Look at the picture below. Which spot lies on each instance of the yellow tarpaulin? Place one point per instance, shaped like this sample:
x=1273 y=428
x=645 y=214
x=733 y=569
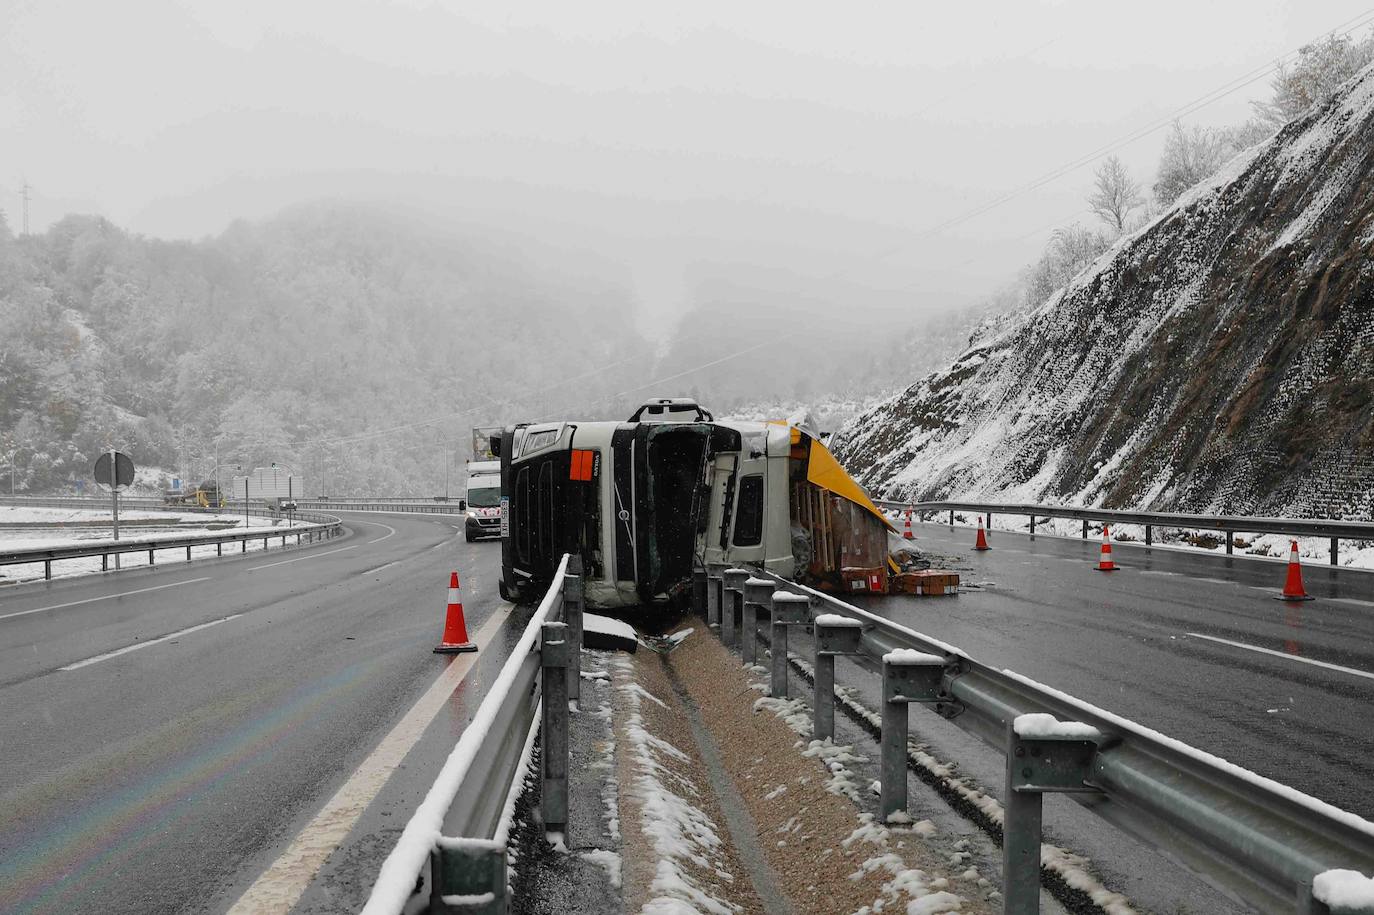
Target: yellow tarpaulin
x=823 y=470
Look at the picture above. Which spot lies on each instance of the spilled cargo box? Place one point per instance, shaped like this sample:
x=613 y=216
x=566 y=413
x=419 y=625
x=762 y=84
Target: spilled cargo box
x=864 y=580
x=926 y=582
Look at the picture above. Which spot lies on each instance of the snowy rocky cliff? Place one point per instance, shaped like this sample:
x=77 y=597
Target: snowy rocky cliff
x=1221 y=358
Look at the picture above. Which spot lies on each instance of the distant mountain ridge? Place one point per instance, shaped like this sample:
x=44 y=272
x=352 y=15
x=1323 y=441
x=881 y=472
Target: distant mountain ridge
x=1220 y=359
x=344 y=340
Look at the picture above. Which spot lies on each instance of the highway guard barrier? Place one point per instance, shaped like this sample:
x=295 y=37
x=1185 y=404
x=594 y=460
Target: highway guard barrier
x=1265 y=843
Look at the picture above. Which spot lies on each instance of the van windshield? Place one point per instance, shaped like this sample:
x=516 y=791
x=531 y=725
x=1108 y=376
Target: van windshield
x=485 y=497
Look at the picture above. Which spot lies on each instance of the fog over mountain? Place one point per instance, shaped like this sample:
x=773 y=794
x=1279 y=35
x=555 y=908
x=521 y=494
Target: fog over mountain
x=455 y=216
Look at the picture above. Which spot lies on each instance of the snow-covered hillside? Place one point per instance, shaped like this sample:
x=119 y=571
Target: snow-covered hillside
x=1222 y=358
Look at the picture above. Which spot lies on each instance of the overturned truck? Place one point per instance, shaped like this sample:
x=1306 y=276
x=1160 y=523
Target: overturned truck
x=644 y=502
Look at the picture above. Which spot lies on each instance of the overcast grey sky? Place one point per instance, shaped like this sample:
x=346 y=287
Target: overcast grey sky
x=816 y=145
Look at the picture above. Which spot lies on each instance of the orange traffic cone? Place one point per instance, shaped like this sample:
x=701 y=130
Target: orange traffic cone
x=1105 y=564
x=455 y=627
x=982 y=542
x=1292 y=586
x=906 y=530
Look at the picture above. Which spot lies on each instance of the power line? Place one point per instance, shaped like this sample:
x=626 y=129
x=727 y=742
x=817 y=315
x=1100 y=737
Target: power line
x=1344 y=29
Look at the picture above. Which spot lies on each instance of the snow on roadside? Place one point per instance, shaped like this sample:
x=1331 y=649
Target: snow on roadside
x=908 y=889
x=686 y=841
x=1074 y=870
x=1357 y=554
x=41 y=537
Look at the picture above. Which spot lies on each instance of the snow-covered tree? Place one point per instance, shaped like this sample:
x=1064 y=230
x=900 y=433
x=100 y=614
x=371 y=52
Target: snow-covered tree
x=1115 y=194
x=1070 y=249
x=1320 y=69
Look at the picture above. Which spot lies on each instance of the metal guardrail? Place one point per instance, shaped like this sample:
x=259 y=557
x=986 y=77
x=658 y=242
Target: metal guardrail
x=1230 y=525
x=1260 y=841
x=319 y=527
x=455 y=844
x=355 y=505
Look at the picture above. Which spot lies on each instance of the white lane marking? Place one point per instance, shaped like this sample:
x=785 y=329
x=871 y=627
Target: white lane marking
x=1351 y=600
x=91 y=600
x=301 y=558
x=1281 y=654
x=120 y=651
x=1159 y=572
x=379 y=568
x=384 y=536
x=281 y=885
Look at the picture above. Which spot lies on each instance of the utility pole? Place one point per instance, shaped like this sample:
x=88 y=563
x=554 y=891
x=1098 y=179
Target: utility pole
x=24 y=195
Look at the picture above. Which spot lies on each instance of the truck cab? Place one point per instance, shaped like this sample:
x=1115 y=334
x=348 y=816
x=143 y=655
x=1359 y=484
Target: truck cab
x=646 y=502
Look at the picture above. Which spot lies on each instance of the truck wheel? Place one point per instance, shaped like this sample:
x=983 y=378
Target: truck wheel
x=467 y=535
x=505 y=592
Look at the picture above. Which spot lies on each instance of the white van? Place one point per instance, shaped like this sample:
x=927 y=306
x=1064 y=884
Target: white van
x=482 y=503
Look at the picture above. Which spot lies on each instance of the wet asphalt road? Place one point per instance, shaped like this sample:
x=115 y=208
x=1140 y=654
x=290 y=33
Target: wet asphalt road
x=164 y=779
x=167 y=778
x=1130 y=641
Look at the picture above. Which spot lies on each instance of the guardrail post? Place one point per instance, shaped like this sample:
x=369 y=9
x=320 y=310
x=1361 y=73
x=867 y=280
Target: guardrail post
x=553 y=757
x=1032 y=530
x=468 y=867
x=714 y=583
x=732 y=605
x=951 y=517
x=1230 y=542
x=788 y=610
x=1023 y=815
x=1085 y=528
x=758 y=597
x=835 y=634
x=1043 y=755
x=908 y=676
x=572 y=615
x=1335 y=549
x=1149 y=534
x=47 y=569
x=1309 y=904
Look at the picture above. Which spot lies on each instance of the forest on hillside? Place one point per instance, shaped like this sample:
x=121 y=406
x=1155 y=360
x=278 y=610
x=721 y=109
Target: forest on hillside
x=341 y=341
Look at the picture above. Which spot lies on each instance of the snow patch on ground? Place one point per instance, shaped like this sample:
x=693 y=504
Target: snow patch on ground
x=914 y=888
x=1074 y=869
x=680 y=831
x=609 y=860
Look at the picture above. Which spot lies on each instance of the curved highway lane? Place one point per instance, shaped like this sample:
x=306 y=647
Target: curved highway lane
x=164 y=735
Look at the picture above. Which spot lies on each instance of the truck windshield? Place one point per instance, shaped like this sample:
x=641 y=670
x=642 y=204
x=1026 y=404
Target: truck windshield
x=486 y=497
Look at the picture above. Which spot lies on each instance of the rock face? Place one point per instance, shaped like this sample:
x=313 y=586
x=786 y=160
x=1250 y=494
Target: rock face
x=1220 y=359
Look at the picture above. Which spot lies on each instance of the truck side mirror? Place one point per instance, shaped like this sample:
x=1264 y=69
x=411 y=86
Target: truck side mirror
x=462 y=505
x=494 y=446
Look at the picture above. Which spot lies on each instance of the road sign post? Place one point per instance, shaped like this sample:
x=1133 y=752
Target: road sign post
x=114 y=469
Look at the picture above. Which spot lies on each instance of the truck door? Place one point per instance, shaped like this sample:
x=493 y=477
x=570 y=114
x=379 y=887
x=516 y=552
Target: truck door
x=743 y=537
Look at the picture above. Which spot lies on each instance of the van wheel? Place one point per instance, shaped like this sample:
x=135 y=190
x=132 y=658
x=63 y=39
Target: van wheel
x=467 y=535
x=504 y=591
